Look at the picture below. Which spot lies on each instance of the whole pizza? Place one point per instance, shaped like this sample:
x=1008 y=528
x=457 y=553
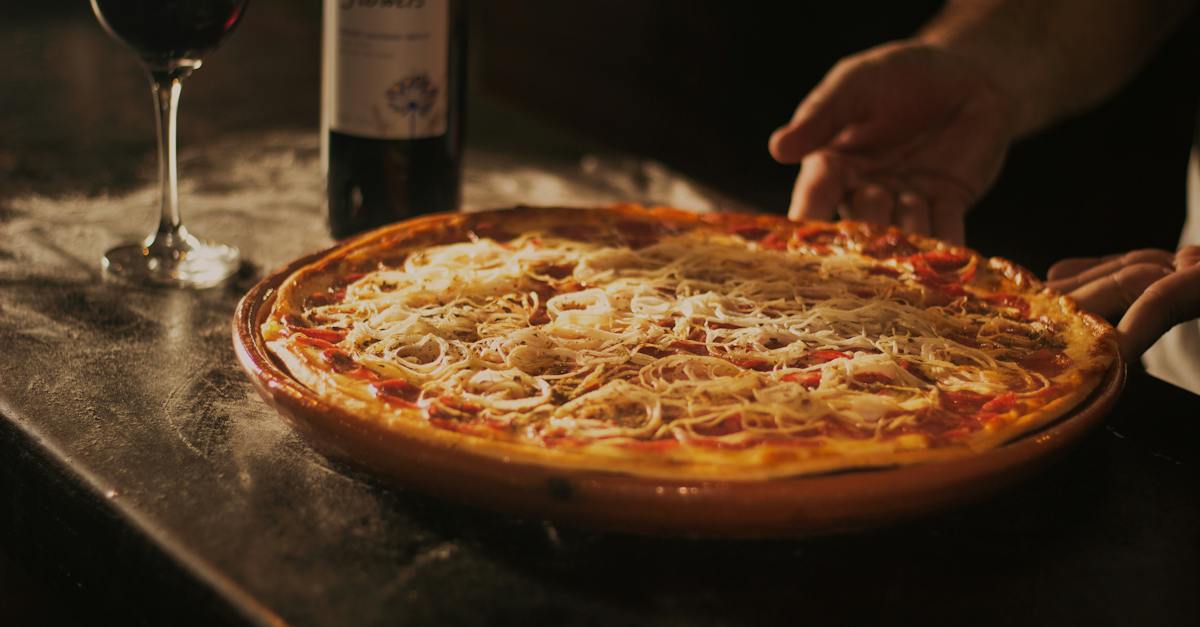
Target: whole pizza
x=661 y=343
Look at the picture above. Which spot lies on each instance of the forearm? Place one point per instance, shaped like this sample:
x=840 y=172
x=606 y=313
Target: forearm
x=1054 y=58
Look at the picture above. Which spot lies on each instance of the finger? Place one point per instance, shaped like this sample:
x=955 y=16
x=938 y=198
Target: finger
x=819 y=188
x=1110 y=265
x=1110 y=295
x=1187 y=257
x=1072 y=266
x=947 y=202
x=1164 y=304
x=946 y=220
x=871 y=203
x=912 y=213
x=827 y=109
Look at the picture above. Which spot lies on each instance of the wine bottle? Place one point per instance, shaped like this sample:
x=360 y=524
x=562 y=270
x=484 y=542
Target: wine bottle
x=391 y=117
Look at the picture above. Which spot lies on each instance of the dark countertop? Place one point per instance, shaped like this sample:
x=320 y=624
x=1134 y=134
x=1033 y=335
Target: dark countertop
x=144 y=481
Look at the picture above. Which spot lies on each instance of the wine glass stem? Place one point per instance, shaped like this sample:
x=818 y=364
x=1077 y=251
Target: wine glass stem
x=166 y=87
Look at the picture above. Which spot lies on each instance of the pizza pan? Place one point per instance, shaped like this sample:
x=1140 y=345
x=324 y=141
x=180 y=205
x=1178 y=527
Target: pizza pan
x=780 y=507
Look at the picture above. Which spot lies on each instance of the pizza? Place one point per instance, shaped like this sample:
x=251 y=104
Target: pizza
x=661 y=343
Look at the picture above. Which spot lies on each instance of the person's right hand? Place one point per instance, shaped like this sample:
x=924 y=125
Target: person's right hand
x=904 y=133
x=1149 y=290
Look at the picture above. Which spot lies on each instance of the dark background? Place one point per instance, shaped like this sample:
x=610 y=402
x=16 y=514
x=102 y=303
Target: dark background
x=698 y=85
x=701 y=85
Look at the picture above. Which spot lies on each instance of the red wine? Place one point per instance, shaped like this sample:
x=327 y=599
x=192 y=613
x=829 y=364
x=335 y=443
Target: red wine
x=166 y=32
x=392 y=110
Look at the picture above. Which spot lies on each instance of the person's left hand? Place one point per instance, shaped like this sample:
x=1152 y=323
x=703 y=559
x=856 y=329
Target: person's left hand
x=1149 y=290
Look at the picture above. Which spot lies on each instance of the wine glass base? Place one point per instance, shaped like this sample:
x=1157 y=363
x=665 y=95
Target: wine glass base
x=198 y=265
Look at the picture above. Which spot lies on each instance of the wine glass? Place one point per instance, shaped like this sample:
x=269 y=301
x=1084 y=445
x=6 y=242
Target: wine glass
x=171 y=37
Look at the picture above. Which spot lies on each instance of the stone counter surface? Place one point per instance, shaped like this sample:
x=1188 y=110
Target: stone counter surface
x=146 y=482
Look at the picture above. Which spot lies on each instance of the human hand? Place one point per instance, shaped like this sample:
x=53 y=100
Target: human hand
x=904 y=133
x=1154 y=289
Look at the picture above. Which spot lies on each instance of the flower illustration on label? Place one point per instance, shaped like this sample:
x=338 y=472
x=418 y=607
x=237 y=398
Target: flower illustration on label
x=411 y=96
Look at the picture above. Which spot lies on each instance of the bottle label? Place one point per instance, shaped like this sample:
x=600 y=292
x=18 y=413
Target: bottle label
x=386 y=67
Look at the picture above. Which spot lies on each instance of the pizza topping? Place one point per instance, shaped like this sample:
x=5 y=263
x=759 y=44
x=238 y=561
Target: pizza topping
x=1045 y=361
x=821 y=234
x=964 y=402
x=774 y=241
x=397 y=391
x=565 y=337
x=882 y=270
x=333 y=336
x=751 y=232
x=807 y=379
x=872 y=378
x=891 y=244
x=824 y=355
x=944 y=271
x=314 y=342
x=341 y=362
x=1000 y=404
x=941 y=262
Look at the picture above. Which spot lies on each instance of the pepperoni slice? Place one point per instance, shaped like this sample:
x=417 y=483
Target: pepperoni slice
x=890 y=245
x=339 y=360
x=314 y=342
x=816 y=234
x=773 y=241
x=809 y=380
x=397 y=392
x=944 y=269
x=1001 y=404
x=872 y=378
x=943 y=261
x=1047 y=362
x=332 y=336
x=825 y=355
x=963 y=402
x=883 y=271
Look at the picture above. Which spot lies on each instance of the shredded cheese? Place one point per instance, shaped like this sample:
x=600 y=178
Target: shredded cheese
x=699 y=335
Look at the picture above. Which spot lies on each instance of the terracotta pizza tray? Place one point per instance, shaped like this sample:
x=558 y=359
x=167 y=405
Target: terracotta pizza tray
x=797 y=506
